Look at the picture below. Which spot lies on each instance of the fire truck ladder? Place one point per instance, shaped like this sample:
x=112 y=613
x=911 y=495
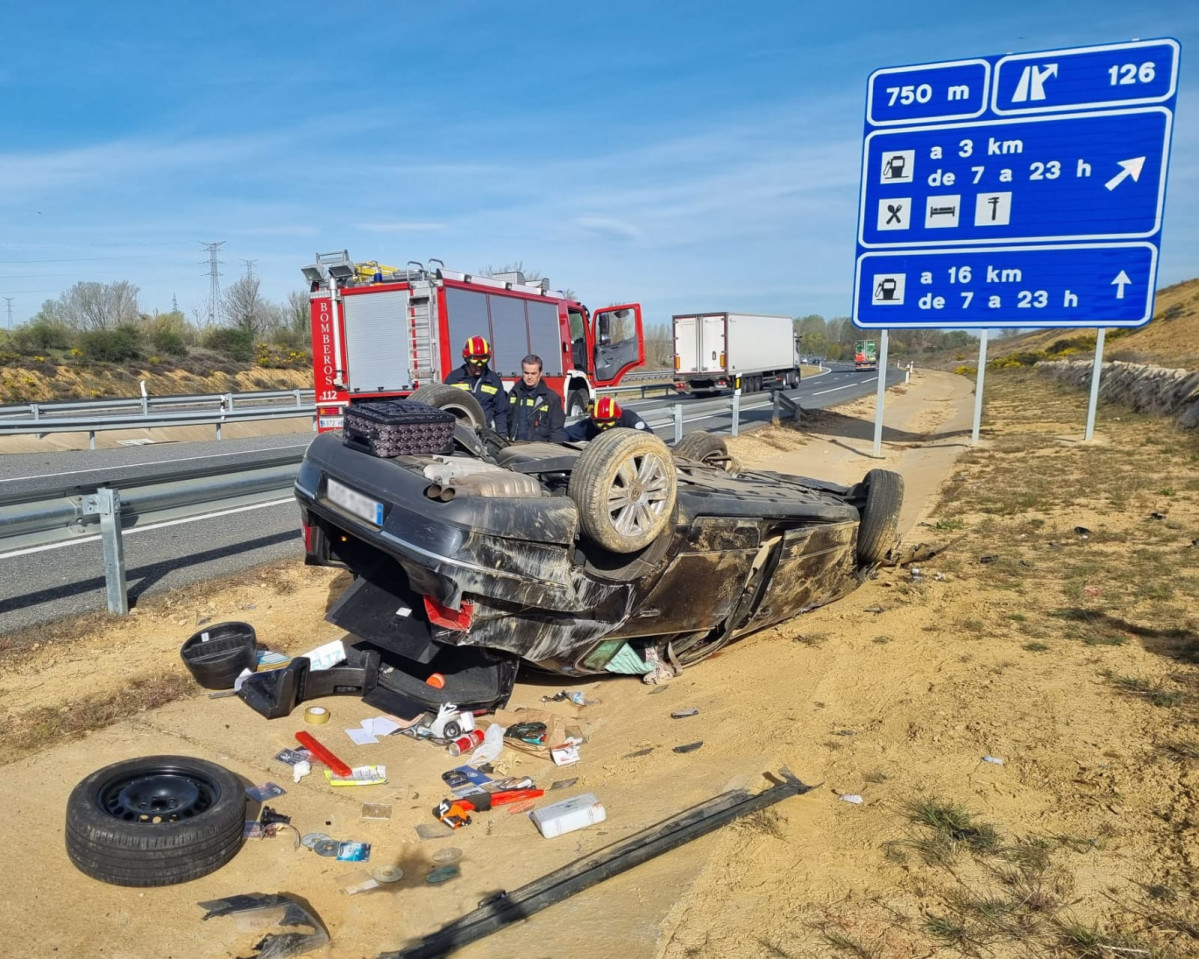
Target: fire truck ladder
x=425 y=348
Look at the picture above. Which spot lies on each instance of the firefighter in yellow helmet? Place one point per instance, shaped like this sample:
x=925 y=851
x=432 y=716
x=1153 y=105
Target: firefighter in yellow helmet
x=604 y=415
x=476 y=377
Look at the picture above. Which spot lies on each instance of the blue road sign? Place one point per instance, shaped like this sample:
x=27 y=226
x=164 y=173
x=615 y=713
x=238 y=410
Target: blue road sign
x=1065 y=151
x=1108 y=284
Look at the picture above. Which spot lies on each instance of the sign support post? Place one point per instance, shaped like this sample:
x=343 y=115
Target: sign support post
x=881 y=395
x=978 y=386
x=1096 y=370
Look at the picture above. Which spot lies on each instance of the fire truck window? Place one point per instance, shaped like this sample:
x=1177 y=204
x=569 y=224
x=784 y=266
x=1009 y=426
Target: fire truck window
x=509 y=338
x=578 y=341
x=545 y=335
x=467 y=317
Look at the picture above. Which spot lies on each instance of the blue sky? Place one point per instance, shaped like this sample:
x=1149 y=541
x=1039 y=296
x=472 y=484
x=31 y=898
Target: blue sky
x=689 y=156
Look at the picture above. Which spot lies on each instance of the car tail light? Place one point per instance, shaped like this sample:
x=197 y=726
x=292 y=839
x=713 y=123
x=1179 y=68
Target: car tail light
x=308 y=531
x=440 y=615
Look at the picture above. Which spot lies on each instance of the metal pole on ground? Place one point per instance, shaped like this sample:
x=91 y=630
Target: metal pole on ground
x=1096 y=370
x=736 y=408
x=878 y=400
x=978 y=386
x=678 y=421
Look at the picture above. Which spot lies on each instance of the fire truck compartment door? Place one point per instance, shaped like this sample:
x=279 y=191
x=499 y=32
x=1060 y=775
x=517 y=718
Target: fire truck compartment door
x=619 y=342
x=378 y=348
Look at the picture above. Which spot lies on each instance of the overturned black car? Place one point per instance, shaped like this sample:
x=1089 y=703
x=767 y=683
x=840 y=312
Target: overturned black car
x=618 y=555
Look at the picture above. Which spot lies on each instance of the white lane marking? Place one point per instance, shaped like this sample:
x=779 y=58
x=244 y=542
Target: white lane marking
x=847 y=386
x=146 y=529
x=182 y=459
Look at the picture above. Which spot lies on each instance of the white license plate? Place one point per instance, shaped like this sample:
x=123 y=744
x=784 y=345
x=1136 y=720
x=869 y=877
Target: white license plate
x=330 y=422
x=354 y=502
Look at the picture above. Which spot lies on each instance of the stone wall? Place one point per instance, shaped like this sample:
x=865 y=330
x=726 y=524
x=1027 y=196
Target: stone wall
x=1146 y=389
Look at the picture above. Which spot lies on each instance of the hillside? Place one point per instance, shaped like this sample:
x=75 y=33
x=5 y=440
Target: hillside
x=48 y=381
x=1171 y=339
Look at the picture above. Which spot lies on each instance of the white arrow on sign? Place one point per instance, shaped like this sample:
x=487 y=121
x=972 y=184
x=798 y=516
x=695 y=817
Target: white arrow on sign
x=1128 y=168
x=1119 y=283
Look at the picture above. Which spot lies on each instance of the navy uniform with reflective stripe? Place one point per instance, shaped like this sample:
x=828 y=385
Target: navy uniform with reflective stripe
x=488 y=389
x=535 y=414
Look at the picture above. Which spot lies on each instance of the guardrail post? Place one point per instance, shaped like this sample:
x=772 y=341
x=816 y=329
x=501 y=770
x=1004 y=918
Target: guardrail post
x=33 y=408
x=218 y=430
x=678 y=421
x=297 y=394
x=107 y=504
x=227 y=402
x=736 y=412
x=91 y=439
x=774 y=411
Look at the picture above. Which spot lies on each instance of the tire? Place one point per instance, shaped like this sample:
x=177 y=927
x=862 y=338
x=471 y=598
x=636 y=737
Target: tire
x=155 y=821
x=878 y=531
x=461 y=403
x=624 y=486
x=577 y=402
x=704 y=447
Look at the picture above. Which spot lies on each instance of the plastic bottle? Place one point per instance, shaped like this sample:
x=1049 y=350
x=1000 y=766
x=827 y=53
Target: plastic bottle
x=578 y=812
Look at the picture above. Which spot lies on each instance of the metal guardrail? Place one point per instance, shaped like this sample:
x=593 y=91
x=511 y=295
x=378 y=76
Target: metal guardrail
x=55 y=515
x=225 y=401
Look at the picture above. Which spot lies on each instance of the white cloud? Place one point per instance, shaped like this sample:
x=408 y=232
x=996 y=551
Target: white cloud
x=608 y=227
x=402 y=226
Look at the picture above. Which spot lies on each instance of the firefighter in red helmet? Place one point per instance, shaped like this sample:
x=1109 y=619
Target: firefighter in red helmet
x=604 y=416
x=476 y=377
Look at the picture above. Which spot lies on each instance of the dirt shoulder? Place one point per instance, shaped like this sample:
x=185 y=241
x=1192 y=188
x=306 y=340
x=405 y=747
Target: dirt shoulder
x=1071 y=659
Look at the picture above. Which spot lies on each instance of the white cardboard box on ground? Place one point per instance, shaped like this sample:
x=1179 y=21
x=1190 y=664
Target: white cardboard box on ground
x=578 y=812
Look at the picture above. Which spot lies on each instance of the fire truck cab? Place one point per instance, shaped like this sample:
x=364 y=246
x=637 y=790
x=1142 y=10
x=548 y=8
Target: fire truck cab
x=378 y=331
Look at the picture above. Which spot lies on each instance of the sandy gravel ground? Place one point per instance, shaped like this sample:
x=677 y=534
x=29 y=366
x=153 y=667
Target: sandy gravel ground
x=895 y=693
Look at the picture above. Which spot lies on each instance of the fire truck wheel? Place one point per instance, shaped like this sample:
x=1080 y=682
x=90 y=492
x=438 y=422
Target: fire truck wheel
x=459 y=402
x=706 y=448
x=155 y=820
x=624 y=486
x=878 y=530
x=577 y=403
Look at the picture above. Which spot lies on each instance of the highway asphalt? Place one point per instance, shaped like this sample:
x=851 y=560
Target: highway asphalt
x=40 y=586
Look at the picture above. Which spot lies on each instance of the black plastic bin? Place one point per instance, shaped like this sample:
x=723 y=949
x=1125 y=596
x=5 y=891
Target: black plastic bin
x=217 y=654
x=389 y=428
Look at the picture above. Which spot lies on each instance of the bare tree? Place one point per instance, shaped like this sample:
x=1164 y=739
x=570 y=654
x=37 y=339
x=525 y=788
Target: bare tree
x=245 y=308
x=94 y=306
x=299 y=311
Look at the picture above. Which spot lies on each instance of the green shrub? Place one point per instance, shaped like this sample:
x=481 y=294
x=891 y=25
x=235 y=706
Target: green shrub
x=234 y=342
x=111 y=346
x=40 y=336
x=168 y=341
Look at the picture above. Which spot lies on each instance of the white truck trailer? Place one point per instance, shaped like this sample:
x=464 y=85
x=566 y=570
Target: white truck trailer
x=719 y=351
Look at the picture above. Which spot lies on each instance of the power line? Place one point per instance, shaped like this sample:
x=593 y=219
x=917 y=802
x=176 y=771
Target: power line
x=9 y=299
x=214 y=275
x=249 y=267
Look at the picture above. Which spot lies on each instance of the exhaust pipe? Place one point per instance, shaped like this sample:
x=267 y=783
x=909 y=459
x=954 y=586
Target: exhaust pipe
x=433 y=491
x=447 y=494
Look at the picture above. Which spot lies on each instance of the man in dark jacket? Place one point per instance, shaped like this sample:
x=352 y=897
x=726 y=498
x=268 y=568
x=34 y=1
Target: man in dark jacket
x=604 y=415
x=534 y=410
x=475 y=377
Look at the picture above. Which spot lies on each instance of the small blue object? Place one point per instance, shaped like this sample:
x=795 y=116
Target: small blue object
x=994 y=760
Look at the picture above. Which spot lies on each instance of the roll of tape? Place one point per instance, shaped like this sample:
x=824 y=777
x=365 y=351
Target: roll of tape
x=316 y=715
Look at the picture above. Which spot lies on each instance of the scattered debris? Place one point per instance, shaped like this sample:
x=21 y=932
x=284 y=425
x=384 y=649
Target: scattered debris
x=689 y=747
x=578 y=812
x=447 y=854
x=851 y=797
x=499 y=911
x=304 y=929
x=563 y=783
x=994 y=760
x=300 y=770
x=988 y=559
x=265 y=791
x=874 y=609
x=292 y=757
x=353 y=852
x=1083 y=532
x=433 y=830
x=376 y=810
x=573 y=696
x=269 y=816
x=358 y=776
x=309 y=840
x=442 y=874
x=684 y=713
x=1157 y=516
x=639 y=752
x=387 y=874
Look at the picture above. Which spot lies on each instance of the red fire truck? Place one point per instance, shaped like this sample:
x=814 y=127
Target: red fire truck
x=378 y=331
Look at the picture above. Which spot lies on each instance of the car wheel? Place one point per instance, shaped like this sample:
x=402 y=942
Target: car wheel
x=704 y=447
x=878 y=531
x=461 y=403
x=624 y=486
x=577 y=402
x=155 y=821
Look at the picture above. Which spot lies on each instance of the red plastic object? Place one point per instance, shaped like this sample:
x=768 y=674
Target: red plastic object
x=447 y=616
x=309 y=742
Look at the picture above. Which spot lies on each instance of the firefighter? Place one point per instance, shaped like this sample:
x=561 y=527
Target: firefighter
x=484 y=383
x=535 y=410
x=604 y=415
